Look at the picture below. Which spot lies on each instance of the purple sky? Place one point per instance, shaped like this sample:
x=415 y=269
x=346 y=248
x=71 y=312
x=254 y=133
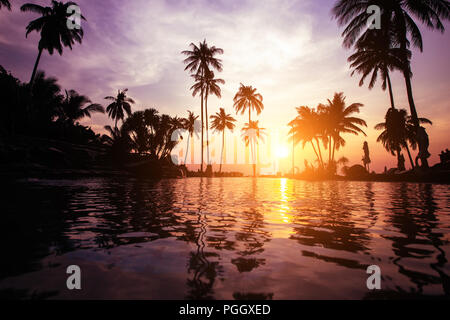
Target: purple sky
x=290 y=50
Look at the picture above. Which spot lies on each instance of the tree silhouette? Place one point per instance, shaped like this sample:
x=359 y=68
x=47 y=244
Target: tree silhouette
x=400 y=15
x=53 y=29
x=5 y=3
x=220 y=122
x=247 y=99
x=121 y=103
x=73 y=107
x=198 y=62
x=252 y=133
x=189 y=125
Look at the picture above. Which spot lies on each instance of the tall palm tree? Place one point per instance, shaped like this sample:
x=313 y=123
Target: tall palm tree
x=198 y=62
x=400 y=15
x=73 y=107
x=248 y=98
x=376 y=55
x=120 y=104
x=307 y=127
x=252 y=133
x=5 y=3
x=52 y=25
x=220 y=122
x=339 y=119
x=189 y=125
x=208 y=84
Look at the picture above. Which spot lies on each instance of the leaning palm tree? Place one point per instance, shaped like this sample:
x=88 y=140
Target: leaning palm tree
x=5 y=3
x=252 y=133
x=189 y=125
x=73 y=107
x=198 y=62
x=52 y=26
x=220 y=122
x=121 y=103
x=400 y=16
x=248 y=98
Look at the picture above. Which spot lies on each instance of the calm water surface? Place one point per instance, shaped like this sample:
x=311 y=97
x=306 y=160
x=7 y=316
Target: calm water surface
x=231 y=238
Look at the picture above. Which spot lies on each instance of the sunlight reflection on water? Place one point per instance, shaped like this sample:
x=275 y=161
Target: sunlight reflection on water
x=225 y=238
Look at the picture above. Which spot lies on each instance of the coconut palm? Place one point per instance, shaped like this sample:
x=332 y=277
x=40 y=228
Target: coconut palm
x=376 y=56
x=189 y=125
x=208 y=84
x=198 y=62
x=338 y=118
x=5 y=3
x=398 y=131
x=220 y=122
x=252 y=134
x=307 y=127
x=73 y=107
x=52 y=26
x=248 y=98
x=401 y=15
x=121 y=103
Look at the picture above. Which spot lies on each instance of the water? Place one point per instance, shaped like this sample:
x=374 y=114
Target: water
x=231 y=238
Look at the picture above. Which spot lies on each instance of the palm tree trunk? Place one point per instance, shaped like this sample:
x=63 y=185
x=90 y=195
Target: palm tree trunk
x=410 y=158
x=187 y=149
x=329 y=151
x=320 y=153
x=206 y=121
x=221 y=153
x=249 y=115
x=334 y=148
x=35 y=67
x=391 y=95
x=201 y=163
x=315 y=151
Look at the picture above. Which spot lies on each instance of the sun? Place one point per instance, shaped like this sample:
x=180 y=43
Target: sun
x=281 y=152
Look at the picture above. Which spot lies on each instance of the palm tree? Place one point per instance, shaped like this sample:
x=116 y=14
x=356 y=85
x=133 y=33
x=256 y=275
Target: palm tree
x=398 y=131
x=189 y=125
x=220 y=122
x=73 y=107
x=120 y=104
x=252 y=133
x=248 y=98
x=198 y=62
x=5 y=3
x=376 y=55
x=52 y=26
x=208 y=84
x=399 y=15
x=307 y=127
x=338 y=120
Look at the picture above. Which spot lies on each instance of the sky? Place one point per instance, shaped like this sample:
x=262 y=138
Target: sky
x=290 y=50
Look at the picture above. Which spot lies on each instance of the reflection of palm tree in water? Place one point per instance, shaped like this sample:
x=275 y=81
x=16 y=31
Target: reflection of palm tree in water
x=201 y=285
x=252 y=237
x=416 y=226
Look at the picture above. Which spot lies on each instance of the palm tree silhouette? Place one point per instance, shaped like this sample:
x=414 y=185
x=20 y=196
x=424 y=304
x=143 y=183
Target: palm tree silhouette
x=398 y=130
x=307 y=127
x=375 y=54
x=5 y=3
x=209 y=85
x=73 y=107
x=120 y=104
x=189 y=125
x=220 y=122
x=400 y=14
x=339 y=120
x=52 y=26
x=248 y=98
x=198 y=62
x=252 y=133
